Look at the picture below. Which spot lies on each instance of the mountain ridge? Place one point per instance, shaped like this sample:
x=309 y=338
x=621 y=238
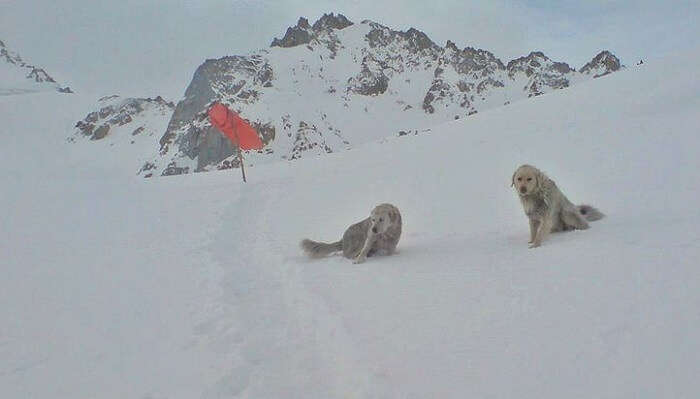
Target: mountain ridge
x=331 y=85
x=18 y=76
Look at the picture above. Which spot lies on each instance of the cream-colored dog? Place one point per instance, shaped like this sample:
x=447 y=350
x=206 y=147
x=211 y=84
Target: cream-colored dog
x=376 y=235
x=546 y=207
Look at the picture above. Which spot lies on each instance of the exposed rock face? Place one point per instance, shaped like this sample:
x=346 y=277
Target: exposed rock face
x=331 y=22
x=461 y=76
x=602 y=64
x=304 y=33
x=116 y=112
x=296 y=35
x=543 y=73
x=371 y=80
x=130 y=127
x=189 y=130
x=328 y=86
x=26 y=77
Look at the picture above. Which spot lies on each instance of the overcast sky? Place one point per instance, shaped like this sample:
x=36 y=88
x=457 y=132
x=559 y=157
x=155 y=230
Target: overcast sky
x=151 y=47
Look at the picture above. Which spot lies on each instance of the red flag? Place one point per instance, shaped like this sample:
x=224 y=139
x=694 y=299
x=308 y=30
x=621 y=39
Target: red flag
x=234 y=127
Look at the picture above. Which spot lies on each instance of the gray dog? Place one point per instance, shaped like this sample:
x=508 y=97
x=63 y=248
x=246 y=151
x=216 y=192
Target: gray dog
x=376 y=235
x=547 y=207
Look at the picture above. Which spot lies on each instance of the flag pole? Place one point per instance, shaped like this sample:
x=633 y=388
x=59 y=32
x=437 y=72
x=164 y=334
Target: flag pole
x=240 y=159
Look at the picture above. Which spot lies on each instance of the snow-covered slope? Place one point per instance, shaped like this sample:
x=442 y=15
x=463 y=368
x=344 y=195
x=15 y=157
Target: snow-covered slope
x=18 y=77
x=193 y=286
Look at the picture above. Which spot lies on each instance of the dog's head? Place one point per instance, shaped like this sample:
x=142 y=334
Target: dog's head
x=382 y=217
x=527 y=180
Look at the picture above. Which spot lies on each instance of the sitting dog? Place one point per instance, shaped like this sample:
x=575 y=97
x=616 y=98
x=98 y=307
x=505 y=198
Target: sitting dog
x=376 y=235
x=547 y=207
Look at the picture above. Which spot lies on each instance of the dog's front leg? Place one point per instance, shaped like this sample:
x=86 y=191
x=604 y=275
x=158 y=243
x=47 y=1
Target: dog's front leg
x=362 y=256
x=534 y=223
x=545 y=226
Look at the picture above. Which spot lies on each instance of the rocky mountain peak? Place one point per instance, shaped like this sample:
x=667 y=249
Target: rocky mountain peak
x=537 y=60
x=413 y=40
x=9 y=56
x=451 y=46
x=304 y=33
x=295 y=35
x=471 y=59
x=331 y=22
x=303 y=23
x=602 y=64
x=418 y=39
x=23 y=77
x=115 y=112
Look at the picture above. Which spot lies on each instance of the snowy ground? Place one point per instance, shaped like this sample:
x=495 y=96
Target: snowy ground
x=193 y=286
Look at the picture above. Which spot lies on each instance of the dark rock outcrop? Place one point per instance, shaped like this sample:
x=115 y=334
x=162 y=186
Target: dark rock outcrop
x=115 y=112
x=38 y=76
x=303 y=33
x=602 y=64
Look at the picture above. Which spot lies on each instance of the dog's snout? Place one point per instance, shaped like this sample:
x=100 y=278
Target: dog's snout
x=523 y=189
x=374 y=230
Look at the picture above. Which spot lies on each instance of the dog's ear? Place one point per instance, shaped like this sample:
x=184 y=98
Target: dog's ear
x=512 y=179
x=540 y=180
x=393 y=216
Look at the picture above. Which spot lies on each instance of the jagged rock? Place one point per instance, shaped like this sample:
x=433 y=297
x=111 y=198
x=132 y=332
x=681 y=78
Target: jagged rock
x=412 y=40
x=92 y=117
x=472 y=68
x=542 y=72
x=105 y=112
x=369 y=82
x=100 y=132
x=602 y=64
x=115 y=112
x=86 y=128
x=303 y=33
x=331 y=22
x=39 y=75
x=296 y=35
x=535 y=62
x=146 y=169
x=172 y=170
x=24 y=77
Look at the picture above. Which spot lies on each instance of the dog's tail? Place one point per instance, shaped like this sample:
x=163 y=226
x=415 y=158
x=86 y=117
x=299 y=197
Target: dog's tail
x=319 y=249
x=590 y=213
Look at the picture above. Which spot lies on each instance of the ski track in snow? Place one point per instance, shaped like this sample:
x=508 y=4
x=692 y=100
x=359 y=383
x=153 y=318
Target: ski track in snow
x=288 y=335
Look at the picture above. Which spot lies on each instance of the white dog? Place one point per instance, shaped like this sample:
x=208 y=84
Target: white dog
x=376 y=235
x=547 y=207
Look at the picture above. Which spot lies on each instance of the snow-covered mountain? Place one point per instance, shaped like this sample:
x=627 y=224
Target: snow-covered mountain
x=335 y=84
x=128 y=126
x=17 y=76
x=194 y=286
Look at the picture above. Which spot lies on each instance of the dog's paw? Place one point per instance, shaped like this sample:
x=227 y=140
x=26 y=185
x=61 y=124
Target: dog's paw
x=359 y=259
x=534 y=245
